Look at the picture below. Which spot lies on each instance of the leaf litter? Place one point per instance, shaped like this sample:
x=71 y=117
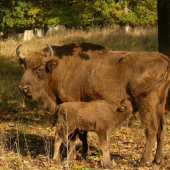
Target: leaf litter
x=27 y=138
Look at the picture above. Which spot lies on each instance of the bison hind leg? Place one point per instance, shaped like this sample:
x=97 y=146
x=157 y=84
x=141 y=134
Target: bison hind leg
x=147 y=111
x=151 y=109
x=161 y=123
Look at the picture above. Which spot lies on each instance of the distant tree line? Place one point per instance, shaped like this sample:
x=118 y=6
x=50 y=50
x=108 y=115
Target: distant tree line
x=18 y=15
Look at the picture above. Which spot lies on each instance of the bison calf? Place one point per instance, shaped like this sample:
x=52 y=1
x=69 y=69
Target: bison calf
x=98 y=116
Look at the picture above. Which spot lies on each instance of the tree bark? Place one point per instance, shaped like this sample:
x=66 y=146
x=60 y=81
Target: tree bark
x=163 y=7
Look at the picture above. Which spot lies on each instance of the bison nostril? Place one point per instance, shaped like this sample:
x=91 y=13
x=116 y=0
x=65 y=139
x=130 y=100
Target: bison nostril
x=26 y=89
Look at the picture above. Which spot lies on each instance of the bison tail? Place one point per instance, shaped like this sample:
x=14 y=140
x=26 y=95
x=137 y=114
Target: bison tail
x=168 y=67
x=164 y=78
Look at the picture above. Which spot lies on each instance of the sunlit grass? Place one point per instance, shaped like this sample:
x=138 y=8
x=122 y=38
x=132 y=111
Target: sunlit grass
x=114 y=39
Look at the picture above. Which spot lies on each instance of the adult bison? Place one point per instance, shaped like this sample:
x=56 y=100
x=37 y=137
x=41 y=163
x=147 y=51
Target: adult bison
x=85 y=72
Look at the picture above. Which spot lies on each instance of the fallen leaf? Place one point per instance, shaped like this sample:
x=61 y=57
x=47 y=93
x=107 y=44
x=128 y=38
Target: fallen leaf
x=10 y=153
x=46 y=164
x=1 y=162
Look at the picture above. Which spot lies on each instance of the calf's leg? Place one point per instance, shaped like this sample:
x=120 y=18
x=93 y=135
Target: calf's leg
x=57 y=144
x=104 y=146
x=83 y=138
x=71 y=140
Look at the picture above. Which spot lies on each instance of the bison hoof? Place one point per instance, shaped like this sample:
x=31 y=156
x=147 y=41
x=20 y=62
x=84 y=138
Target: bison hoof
x=84 y=157
x=157 y=161
x=108 y=166
x=56 y=160
x=141 y=164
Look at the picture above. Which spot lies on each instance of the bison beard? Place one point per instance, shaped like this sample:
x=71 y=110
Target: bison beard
x=85 y=72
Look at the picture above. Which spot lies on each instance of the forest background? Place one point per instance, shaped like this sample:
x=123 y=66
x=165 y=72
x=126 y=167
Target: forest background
x=19 y=15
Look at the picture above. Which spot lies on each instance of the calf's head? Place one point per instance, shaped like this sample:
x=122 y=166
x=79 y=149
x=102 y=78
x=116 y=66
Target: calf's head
x=37 y=67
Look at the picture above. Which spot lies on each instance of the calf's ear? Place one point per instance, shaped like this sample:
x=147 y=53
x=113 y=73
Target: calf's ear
x=50 y=65
x=122 y=109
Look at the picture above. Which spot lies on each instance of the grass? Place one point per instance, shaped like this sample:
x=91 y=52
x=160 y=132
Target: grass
x=26 y=127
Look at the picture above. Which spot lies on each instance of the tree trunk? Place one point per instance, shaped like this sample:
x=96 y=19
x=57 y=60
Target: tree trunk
x=163 y=7
x=45 y=29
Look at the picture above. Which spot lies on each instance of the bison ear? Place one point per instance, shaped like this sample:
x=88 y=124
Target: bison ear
x=22 y=63
x=50 y=65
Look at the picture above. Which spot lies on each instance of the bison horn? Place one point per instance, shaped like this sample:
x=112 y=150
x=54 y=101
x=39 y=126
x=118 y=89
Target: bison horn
x=18 y=52
x=51 y=52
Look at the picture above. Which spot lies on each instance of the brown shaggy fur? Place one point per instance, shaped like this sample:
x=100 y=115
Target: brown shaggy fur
x=86 y=72
x=98 y=116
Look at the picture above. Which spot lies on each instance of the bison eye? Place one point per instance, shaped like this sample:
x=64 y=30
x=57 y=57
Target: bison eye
x=39 y=71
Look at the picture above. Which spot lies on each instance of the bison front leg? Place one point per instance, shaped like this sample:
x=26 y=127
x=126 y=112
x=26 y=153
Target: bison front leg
x=147 y=111
x=104 y=146
x=57 y=144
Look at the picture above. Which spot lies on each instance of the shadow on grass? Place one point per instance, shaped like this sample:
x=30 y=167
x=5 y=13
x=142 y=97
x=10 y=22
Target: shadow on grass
x=8 y=66
x=28 y=116
x=29 y=144
x=37 y=146
x=10 y=75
